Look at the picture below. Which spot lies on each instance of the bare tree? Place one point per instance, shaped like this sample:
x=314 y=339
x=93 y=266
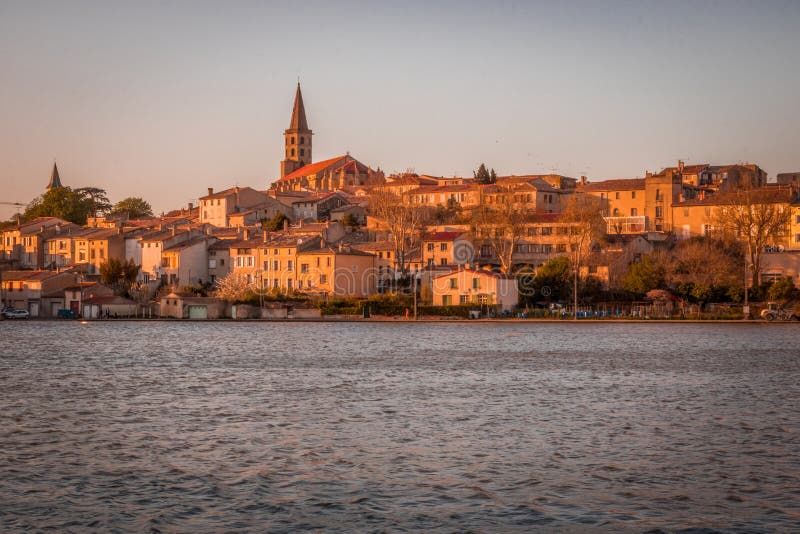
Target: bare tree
x=406 y=222
x=703 y=265
x=584 y=213
x=501 y=226
x=755 y=217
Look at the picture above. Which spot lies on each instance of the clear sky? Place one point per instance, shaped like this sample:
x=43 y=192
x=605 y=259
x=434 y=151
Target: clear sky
x=164 y=99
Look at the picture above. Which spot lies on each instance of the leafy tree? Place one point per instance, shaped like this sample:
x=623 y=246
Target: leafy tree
x=484 y=176
x=96 y=200
x=552 y=281
x=647 y=274
x=781 y=289
x=135 y=207
x=119 y=275
x=65 y=203
x=275 y=223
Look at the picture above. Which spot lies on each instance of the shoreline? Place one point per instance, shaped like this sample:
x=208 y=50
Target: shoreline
x=402 y=320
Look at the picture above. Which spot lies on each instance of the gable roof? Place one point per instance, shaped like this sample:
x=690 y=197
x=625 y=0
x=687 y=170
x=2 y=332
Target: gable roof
x=312 y=168
x=625 y=184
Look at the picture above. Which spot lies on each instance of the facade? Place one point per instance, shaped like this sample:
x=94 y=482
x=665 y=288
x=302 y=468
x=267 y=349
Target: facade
x=479 y=287
x=186 y=263
x=447 y=248
x=340 y=271
x=25 y=290
x=216 y=208
x=24 y=246
x=189 y=306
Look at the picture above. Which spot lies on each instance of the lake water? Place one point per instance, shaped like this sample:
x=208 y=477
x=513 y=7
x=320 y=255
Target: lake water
x=342 y=427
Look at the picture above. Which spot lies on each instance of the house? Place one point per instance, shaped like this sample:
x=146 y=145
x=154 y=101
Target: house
x=446 y=196
x=252 y=216
x=340 y=271
x=28 y=290
x=474 y=286
x=318 y=207
x=186 y=263
x=95 y=246
x=216 y=208
x=219 y=260
x=277 y=259
x=449 y=247
x=74 y=295
x=24 y=246
x=190 y=306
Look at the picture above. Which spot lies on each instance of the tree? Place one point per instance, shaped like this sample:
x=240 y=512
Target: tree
x=274 y=224
x=702 y=268
x=484 y=176
x=65 y=203
x=135 y=207
x=757 y=218
x=501 y=226
x=645 y=275
x=96 y=200
x=406 y=222
x=234 y=288
x=781 y=289
x=119 y=275
x=553 y=280
x=587 y=229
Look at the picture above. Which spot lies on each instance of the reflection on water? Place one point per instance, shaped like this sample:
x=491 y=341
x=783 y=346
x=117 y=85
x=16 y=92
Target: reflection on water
x=417 y=427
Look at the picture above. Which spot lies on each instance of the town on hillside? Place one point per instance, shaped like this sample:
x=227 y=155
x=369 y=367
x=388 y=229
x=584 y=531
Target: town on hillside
x=338 y=237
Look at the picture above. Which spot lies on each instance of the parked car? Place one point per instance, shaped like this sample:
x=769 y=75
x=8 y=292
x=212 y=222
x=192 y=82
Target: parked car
x=15 y=314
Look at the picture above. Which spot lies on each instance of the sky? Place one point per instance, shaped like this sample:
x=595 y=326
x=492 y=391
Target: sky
x=164 y=99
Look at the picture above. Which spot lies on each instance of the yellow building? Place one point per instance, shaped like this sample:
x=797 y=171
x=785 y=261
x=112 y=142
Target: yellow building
x=340 y=271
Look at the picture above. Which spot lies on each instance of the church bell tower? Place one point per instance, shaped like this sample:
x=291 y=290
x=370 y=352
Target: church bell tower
x=297 y=138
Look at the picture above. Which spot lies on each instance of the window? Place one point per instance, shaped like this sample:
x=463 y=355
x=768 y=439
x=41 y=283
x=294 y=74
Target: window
x=658 y=195
x=447 y=300
x=328 y=261
x=464 y=299
x=634 y=212
x=593 y=269
x=797 y=238
x=292 y=152
x=317 y=261
x=633 y=194
x=212 y=264
x=453 y=283
x=290 y=266
x=430 y=247
x=302 y=153
x=659 y=212
x=303 y=267
x=476 y=283
x=561 y=247
x=289 y=283
x=443 y=247
x=275 y=282
x=443 y=261
x=275 y=252
x=82 y=256
x=299 y=284
x=547 y=230
x=323 y=279
x=250 y=261
x=266 y=265
x=616 y=212
x=302 y=140
x=276 y=265
x=685 y=212
x=221 y=262
x=616 y=195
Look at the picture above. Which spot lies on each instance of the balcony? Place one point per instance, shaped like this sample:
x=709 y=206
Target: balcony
x=626 y=225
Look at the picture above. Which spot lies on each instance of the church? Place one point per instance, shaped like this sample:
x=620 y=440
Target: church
x=299 y=173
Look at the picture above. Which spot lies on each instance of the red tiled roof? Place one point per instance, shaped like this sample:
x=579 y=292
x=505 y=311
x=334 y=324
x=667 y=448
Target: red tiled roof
x=442 y=236
x=312 y=168
x=481 y=272
x=625 y=184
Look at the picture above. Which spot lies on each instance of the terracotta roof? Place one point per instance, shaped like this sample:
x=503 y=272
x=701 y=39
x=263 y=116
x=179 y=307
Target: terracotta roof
x=20 y=276
x=345 y=251
x=374 y=245
x=442 y=236
x=312 y=168
x=455 y=188
x=625 y=184
x=481 y=272
x=769 y=194
x=223 y=194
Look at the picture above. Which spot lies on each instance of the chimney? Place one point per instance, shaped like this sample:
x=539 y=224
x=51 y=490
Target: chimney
x=246 y=234
x=191 y=206
x=210 y=191
x=285 y=224
x=680 y=166
x=583 y=180
x=173 y=229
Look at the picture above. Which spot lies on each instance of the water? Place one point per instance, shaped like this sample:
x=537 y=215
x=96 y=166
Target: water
x=347 y=427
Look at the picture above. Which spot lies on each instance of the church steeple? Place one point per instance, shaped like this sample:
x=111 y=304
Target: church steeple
x=55 y=179
x=297 y=138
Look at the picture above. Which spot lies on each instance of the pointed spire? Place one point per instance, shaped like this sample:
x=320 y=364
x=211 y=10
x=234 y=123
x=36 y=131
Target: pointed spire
x=299 y=112
x=55 y=180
